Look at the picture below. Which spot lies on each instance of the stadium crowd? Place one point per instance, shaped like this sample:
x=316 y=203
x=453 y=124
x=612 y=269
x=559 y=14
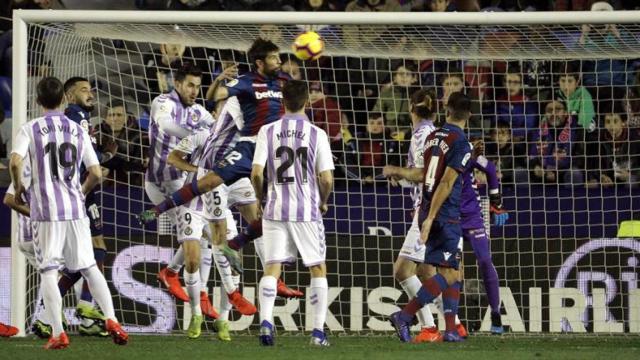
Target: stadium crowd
x=541 y=121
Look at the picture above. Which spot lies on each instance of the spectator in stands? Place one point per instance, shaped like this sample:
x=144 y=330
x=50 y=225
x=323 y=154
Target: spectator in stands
x=270 y=32
x=606 y=79
x=515 y=109
x=510 y=157
x=578 y=100
x=632 y=102
x=160 y=68
x=356 y=36
x=441 y=5
x=324 y=111
x=618 y=155
x=375 y=149
x=554 y=150
x=120 y=127
x=393 y=102
x=454 y=82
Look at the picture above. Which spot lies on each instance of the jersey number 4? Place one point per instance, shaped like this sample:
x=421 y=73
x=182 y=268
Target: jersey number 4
x=287 y=161
x=64 y=156
x=430 y=176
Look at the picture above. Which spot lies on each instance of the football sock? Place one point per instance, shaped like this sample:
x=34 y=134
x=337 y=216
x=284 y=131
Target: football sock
x=450 y=299
x=100 y=290
x=438 y=303
x=205 y=266
x=250 y=233
x=52 y=300
x=482 y=250
x=224 y=269
x=225 y=305
x=429 y=290
x=411 y=287
x=192 y=280
x=318 y=299
x=267 y=297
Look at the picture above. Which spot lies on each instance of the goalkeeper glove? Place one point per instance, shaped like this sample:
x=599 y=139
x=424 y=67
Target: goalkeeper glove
x=499 y=215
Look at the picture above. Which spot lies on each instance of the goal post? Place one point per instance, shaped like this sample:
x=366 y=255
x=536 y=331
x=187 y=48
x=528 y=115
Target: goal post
x=368 y=220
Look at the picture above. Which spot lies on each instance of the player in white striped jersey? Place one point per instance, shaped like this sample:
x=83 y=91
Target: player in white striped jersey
x=300 y=167
x=174 y=116
x=422 y=107
x=57 y=147
x=209 y=210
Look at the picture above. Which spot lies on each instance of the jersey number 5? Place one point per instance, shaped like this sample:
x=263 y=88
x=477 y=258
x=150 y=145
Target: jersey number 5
x=58 y=158
x=288 y=161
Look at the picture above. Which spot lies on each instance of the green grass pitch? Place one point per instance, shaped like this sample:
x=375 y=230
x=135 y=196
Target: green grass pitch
x=177 y=347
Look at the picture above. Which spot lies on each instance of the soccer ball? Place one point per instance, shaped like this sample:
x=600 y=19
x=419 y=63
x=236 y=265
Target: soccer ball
x=308 y=46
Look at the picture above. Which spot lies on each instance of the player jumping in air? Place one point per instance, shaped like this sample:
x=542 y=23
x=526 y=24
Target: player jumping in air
x=260 y=97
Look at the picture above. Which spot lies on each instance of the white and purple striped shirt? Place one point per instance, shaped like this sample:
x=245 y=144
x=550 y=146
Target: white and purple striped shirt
x=224 y=136
x=294 y=152
x=57 y=147
x=170 y=122
x=194 y=146
x=416 y=152
x=24 y=222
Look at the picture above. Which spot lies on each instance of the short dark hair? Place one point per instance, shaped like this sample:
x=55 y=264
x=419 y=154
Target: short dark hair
x=72 y=82
x=375 y=115
x=423 y=102
x=459 y=106
x=50 y=92
x=295 y=95
x=187 y=69
x=260 y=49
x=114 y=103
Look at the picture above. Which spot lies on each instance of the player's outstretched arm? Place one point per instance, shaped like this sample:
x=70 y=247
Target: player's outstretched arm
x=15 y=170
x=410 y=174
x=325 y=186
x=10 y=201
x=178 y=160
x=94 y=178
x=439 y=196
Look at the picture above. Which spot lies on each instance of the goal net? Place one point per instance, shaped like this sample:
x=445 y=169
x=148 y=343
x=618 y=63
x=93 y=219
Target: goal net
x=555 y=102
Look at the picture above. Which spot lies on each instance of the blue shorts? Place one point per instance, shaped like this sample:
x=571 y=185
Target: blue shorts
x=444 y=246
x=237 y=163
x=95 y=219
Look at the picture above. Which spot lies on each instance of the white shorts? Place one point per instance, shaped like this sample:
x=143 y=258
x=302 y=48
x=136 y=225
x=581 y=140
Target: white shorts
x=26 y=248
x=59 y=243
x=283 y=238
x=224 y=197
x=158 y=193
x=411 y=248
x=193 y=225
